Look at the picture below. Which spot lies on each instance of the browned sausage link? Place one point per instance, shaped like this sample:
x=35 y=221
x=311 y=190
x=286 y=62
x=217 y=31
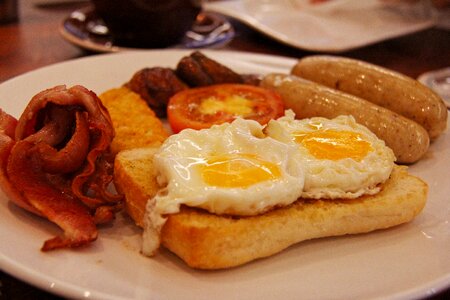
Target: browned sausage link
x=191 y=72
x=378 y=85
x=156 y=85
x=199 y=70
x=218 y=72
x=406 y=138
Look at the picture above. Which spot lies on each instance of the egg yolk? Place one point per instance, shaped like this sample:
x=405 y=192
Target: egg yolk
x=237 y=170
x=333 y=144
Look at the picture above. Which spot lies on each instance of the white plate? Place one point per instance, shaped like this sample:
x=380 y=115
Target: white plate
x=408 y=261
x=333 y=26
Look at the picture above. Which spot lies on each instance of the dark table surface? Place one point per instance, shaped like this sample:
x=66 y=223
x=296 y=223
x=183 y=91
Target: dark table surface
x=34 y=41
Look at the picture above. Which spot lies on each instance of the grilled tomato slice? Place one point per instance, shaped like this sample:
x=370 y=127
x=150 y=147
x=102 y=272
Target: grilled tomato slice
x=202 y=107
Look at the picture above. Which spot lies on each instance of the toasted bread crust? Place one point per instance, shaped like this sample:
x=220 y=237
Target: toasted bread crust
x=208 y=241
x=135 y=178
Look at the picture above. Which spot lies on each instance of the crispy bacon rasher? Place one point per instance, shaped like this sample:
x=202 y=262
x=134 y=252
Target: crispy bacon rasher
x=55 y=162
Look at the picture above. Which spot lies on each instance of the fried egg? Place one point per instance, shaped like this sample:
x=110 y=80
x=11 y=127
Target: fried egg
x=232 y=168
x=342 y=158
x=228 y=169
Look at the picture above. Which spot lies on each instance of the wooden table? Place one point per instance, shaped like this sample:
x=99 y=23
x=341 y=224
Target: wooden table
x=34 y=42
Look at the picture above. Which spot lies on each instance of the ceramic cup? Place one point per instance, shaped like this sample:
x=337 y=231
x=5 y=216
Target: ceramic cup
x=8 y=11
x=147 y=23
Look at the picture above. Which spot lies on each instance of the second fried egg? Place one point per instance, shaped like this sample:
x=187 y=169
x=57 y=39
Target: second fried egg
x=342 y=158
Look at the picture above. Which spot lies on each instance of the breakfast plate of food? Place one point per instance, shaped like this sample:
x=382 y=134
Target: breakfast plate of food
x=124 y=177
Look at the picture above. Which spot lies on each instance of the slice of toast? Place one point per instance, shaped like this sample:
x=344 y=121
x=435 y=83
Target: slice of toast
x=207 y=241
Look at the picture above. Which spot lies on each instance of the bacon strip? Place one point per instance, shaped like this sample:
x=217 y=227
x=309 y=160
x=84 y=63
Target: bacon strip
x=57 y=206
x=7 y=127
x=71 y=157
x=55 y=162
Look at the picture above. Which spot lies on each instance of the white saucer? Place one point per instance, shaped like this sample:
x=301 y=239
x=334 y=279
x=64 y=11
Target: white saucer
x=86 y=30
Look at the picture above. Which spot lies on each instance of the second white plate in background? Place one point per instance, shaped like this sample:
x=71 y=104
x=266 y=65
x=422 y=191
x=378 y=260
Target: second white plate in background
x=334 y=26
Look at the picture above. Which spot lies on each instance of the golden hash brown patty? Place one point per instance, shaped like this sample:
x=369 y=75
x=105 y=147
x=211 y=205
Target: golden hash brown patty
x=136 y=125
